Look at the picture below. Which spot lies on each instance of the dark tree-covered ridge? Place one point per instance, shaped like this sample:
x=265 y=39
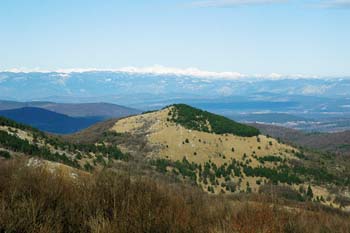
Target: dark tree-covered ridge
x=196 y=119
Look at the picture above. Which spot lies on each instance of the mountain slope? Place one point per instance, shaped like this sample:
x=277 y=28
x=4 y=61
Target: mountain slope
x=53 y=178
x=49 y=121
x=196 y=119
x=22 y=141
x=38 y=200
x=227 y=161
x=103 y=110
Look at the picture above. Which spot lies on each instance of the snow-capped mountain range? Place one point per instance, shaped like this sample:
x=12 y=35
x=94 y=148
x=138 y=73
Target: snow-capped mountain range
x=154 y=87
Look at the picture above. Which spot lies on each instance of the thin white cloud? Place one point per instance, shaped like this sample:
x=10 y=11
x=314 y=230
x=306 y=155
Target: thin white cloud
x=234 y=3
x=341 y=4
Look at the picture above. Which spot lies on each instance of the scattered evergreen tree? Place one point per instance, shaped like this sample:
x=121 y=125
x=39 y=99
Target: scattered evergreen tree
x=309 y=192
x=5 y=154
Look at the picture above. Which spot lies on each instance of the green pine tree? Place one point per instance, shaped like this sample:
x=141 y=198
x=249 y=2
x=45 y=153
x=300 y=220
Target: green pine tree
x=309 y=192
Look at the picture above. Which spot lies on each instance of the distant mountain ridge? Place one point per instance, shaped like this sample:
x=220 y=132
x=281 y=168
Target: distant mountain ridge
x=49 y=121
x=304 y=97
x=337 y=143
x=269 y=118
x=101 y=110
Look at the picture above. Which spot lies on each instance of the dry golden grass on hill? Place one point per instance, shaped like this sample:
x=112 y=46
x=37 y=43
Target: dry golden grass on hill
x=17 y=140
x=126 y=194
x=35 y=200
x=174 y=142
x=192 y=151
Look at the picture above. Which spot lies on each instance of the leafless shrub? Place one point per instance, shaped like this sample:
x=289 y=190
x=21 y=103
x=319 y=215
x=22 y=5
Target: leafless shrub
x=34 y=200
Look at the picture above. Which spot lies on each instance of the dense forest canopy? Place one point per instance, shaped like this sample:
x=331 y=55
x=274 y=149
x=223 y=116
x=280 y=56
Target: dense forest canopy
x=196 y=119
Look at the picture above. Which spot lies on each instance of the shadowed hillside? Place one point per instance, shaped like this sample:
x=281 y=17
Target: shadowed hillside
x=49 y=121
x=101 y=110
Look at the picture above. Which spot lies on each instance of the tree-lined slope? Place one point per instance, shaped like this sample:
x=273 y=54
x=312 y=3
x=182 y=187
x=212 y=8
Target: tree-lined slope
x=21 y=141
x=219 y=155
x=196 y=119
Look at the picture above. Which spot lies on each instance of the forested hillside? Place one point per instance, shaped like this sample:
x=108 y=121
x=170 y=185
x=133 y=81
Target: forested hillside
x=147 y=173
x=196 y=119
x=18 y=140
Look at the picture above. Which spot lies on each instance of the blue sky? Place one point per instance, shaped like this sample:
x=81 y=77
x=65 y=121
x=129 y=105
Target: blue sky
x=250 y=37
